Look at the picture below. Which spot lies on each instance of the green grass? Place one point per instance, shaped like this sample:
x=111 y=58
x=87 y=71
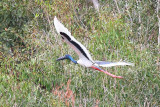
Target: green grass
x=33 y=77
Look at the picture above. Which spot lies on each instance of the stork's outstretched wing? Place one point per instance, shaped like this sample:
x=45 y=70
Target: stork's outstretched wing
x=69 y=39
x=110 y=64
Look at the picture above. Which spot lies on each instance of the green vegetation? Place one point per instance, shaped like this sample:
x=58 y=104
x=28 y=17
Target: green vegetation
x=29 y=47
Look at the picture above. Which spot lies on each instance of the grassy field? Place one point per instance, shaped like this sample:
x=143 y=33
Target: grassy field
x=31 y=76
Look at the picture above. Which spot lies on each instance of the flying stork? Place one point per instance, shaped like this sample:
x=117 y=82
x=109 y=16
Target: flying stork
x=85 y=58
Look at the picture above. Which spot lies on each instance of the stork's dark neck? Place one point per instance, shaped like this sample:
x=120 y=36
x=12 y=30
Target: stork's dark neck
x=67 y=57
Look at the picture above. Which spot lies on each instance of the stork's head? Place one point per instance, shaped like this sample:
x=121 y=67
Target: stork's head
x=67 y=57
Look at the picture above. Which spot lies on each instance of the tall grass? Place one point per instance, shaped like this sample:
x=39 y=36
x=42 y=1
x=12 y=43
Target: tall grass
x=31 y=76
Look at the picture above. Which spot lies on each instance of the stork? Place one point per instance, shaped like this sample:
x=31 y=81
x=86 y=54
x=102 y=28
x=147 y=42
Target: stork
x=85 y=58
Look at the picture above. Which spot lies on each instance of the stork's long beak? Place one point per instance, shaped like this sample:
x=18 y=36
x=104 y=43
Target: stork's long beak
x=61 y=58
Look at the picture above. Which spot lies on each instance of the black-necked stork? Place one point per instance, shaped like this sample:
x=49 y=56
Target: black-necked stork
x=85 y=58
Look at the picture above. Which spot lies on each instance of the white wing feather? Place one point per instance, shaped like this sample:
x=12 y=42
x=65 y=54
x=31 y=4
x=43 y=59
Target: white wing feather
x=60 y=28
x=110 y=64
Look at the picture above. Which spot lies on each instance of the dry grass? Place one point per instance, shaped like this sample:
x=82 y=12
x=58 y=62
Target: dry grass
x=66 y=95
